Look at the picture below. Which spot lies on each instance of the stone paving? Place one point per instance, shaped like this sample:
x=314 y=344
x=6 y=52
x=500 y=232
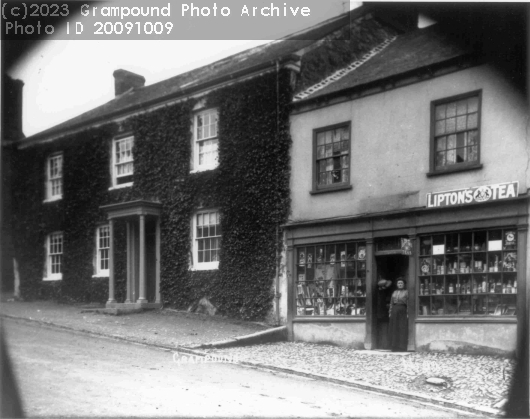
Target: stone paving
x=474 y=380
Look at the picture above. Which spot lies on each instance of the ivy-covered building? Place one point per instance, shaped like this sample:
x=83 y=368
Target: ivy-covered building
x=415 y=165
x=178 y=190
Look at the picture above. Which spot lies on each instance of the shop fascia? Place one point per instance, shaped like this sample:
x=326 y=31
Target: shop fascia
x=473 y=195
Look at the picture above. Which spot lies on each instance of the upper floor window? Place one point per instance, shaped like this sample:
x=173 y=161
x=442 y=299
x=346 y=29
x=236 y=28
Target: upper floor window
x=206 y=140
x=54 y=256
x=206 y=239
x=456 y=132
x=54 y=177
x=103 y=246
x=332 y=156
x=123 y=161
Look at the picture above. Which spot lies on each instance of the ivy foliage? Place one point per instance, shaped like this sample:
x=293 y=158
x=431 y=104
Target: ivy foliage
x=250 y=187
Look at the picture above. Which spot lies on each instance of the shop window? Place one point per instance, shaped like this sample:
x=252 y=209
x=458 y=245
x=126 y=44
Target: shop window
x=468 y=273
x=103 y=246
x=205 y=140
x=456 y=133
x=54 y=177
x=332 y=157
x=123 y=162
x=331 y=280
x=206 y=240
x=54 y=257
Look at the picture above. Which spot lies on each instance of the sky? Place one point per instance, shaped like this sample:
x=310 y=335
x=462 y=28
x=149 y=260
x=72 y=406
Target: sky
x=63 y=79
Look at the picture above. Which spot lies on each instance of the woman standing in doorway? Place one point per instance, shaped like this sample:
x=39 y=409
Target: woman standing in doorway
x=399 y=330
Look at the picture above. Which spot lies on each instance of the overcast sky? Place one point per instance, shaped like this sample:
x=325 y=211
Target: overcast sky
x=63 y=79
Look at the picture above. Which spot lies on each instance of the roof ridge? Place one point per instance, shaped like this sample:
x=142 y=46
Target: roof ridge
x=337 y=75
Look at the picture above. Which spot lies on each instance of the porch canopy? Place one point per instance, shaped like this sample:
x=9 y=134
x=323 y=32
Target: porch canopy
x=138 y=215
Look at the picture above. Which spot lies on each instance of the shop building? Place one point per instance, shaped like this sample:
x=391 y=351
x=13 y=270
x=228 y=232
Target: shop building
x=413 y=165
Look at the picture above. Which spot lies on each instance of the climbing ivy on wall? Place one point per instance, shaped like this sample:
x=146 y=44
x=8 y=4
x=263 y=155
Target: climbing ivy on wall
x=250 y=187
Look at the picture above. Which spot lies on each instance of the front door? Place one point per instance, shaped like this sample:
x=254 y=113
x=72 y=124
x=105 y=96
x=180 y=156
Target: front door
x=389 y=268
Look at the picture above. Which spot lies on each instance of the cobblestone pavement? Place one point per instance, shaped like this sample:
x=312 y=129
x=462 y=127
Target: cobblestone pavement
x=475 y=380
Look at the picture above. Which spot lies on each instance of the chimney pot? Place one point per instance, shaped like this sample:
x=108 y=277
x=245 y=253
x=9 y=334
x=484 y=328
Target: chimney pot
x=125 y=80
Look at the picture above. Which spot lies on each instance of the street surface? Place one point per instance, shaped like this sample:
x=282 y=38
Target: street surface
x=63 y=373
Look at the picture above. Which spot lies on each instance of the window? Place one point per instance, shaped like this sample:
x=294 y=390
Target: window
x=456 y=129
x=206 y=141
x=54 y=177
x=331 y=279
x=123 y=165
x=468 y=273
x=54 y=257
x=103 y=245
x=206 y=240
x=332 y=151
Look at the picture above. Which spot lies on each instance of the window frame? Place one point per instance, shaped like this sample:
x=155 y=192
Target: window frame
x=98 y=271
x=196 y=141
x=458 y=167
x=49 y=197
x=114 y=163
x=195 y=264
x=49 y=275
x=335 y=187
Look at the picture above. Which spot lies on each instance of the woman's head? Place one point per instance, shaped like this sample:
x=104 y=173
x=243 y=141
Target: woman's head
x=401 y=283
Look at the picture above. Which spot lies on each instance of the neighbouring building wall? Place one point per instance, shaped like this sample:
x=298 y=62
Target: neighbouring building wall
x=390 y=145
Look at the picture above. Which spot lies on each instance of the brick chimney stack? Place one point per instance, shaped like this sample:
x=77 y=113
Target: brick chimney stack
x=125 y=80
x=12 y=115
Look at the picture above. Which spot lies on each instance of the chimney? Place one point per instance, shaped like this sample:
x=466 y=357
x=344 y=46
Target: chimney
x=125 y=80
x=12 y=106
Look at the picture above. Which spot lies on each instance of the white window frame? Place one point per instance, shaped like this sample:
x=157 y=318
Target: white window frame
x=115 y=163
x=54 y=180
x=50 y=253
x=196 y=265
x=198 y=138
x=99 y=272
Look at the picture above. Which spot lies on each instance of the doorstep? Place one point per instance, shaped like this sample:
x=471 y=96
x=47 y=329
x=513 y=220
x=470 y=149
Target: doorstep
x=380 y=352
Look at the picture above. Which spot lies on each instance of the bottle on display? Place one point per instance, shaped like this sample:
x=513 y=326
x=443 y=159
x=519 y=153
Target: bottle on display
x=458 y=287
x=492 y=286
x=504 y=288
x=451 y=289
x=509 y=287
x=514 y=289
x=484 y=285
x=474 y=287
x=498 y=286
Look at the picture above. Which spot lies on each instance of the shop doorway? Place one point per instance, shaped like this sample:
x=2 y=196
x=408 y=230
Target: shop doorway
x=388 y=267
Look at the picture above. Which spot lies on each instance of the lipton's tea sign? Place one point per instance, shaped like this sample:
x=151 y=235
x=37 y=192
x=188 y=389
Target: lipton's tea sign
x=473 y=195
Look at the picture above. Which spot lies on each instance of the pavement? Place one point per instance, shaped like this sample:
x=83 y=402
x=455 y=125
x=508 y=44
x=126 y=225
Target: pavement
x=475 y=384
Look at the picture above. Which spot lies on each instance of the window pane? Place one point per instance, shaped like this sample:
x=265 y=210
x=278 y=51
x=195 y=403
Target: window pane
x=461 y=154
x=345 y=134
x=328 y=137
x=472 y=104
x=329 y=164
x=337 y=176
x=336 y=148
x=439 y=128
x=345 y=162
x=461 y=107
x=473 y=153
x=461 y=123
x=472 y=138
x=345 y=176
x=321 y=152
x=472 y=120
x=440 y=159
x=461 y=140
x=451 y=157
x=440 y=112
x=321 y=138
x=451 y=110
x=329 y=150
x=440 y=143
x=345 y=146
x=450 y=125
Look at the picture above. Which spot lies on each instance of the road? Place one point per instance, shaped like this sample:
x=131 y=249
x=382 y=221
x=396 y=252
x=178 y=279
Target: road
x=63 y=373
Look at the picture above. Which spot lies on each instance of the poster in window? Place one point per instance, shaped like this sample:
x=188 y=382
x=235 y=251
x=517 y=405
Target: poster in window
x=310 y=260
x=302 y=258
x=332 y=259
x=343 y=259
x=509 y=240
x=510 y=262
x=361 y=253
x=406 y=246
x=320 y=256
x=425 y=267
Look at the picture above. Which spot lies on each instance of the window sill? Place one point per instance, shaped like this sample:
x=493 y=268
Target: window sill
x=206 y=267
x=101 y=275
x=331 y=189
x=203 y=169
x=329 y=319
x=52 y=278
x=454 y=170
x=123 y=185
x=54 y=199
x=467 y=319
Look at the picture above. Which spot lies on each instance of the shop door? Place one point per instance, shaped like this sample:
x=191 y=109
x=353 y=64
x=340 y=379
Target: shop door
x=388 y=267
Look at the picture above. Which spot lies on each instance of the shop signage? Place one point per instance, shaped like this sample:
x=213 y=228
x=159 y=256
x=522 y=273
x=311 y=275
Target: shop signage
x=473 y=195
x=406 y=246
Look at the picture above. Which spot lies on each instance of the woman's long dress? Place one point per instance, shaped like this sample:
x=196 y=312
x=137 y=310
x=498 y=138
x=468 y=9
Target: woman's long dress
x=398 y=329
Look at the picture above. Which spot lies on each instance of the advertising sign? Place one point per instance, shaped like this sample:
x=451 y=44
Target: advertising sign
x=473 y=195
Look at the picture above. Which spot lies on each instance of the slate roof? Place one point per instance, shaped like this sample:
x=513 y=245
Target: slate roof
x=259 y=58
x=410 y=51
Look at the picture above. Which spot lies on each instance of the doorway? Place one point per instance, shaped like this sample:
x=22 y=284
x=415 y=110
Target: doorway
x=388 y=267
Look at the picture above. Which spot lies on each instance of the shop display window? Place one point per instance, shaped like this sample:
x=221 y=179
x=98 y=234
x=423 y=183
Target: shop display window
x=468 y=273
x=331 y=279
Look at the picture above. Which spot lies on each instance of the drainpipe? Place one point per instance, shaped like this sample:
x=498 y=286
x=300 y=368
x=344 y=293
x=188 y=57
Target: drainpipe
x=277 y=294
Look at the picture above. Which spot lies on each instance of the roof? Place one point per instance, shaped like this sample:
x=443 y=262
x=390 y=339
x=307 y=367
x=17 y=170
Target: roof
x=246 y=62
x=410 y=51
